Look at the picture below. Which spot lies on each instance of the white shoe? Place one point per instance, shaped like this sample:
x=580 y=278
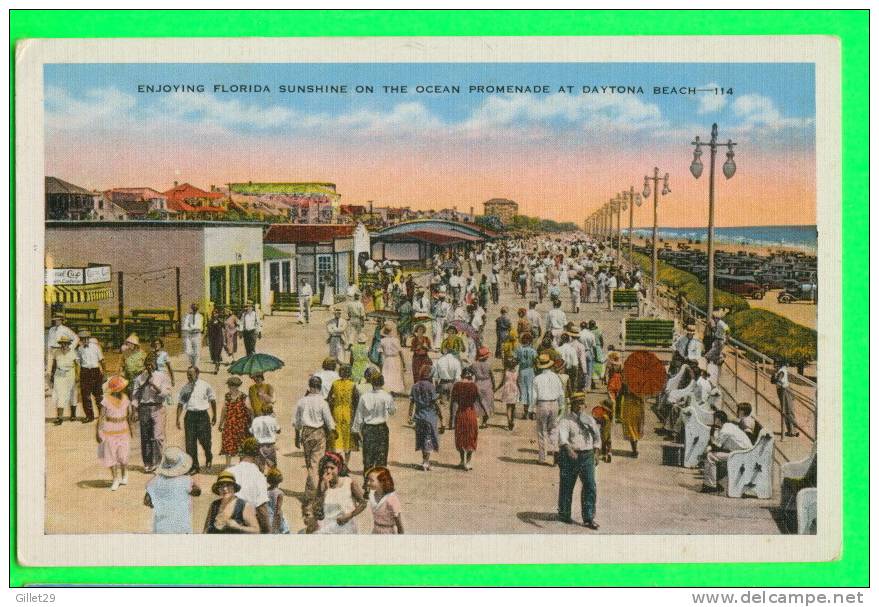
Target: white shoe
x=115 y=485
x=124 y=480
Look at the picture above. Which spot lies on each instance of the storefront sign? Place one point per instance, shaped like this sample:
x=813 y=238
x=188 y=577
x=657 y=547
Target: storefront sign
x=97 y=274
x=65 y=276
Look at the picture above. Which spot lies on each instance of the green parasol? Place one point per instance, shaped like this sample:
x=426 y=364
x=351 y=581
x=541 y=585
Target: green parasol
x=255 y=363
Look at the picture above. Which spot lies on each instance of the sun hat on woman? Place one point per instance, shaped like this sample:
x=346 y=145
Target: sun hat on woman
x=175 y=462
x=225 y=478
x=116 y=383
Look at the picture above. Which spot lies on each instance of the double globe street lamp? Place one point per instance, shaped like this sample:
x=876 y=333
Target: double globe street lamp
x=729 y=169
x=646 y=193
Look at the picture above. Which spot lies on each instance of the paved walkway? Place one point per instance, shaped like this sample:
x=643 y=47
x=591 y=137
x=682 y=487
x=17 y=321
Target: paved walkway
x=507 y=492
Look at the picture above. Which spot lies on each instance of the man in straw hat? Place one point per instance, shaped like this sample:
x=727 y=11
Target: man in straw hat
x=91 y=374
x=355 y=314
x=579 y=444
x=192 y=329
x=133 y=358
x=549 y=394
x=148 y=393
x=57 y=330
x=170 y=493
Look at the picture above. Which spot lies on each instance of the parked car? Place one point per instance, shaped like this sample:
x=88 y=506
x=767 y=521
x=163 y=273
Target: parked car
x=738 y=285
x=804 y=292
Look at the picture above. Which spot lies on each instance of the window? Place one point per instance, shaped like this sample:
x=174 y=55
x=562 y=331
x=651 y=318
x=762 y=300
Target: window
x=236 y=285
x=324 y=265
x=253 y=286
x=218 y=285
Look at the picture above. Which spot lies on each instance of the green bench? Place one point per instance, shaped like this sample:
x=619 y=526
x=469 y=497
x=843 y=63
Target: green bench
x=651 y=332
x=88 y=314
x=624 y=298
x=165 y=316
x=106 y=333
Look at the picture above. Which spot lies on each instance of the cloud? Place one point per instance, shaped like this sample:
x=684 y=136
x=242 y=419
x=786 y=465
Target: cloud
x=760 y=112
x=197 y=107
x=624 y=113
x=98 y=108
x=709 y=102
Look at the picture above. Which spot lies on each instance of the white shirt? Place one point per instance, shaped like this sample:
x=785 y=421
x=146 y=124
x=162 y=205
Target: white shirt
x=55 y=332
x=374 y=407
x=569 y=354
x=533 y=317
x=265 y=429
x=575 y=287
x=447 y=367
x=587 y=338
x=90 y=355
x=250 y=321
x=312 y=411
x=612 y=282
x=580 y=432
x=731 y=438
x=688 y=347
x=305 y=290
x=782 y=378
x=556 y=319
x=548 y=387
x=197 y=396
x=327 y=377
x=254 y=487
x=193 y=323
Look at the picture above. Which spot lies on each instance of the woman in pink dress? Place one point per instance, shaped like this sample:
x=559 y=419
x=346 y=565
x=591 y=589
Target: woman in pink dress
x=383 y=502
x=393 y=364
x=113 y=432
x=230 y=333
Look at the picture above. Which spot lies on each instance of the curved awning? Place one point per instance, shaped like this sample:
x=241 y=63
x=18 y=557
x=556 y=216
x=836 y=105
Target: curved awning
x=77 y=293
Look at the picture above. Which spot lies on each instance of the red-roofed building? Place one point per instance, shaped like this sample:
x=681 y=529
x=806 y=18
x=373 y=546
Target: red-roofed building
x=326 y=254
x=186 y=198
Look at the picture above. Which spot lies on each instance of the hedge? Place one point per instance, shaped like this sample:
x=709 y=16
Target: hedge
x=773 y=335
x=690 y=286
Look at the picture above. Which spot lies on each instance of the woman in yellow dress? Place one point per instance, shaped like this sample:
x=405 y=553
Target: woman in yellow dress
x=632 y=418
x=343 y=399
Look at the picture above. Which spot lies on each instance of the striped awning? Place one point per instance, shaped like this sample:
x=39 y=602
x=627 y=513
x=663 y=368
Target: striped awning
x=77 y=293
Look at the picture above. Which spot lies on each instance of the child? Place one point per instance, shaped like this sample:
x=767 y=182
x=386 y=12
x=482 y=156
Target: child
x=277 y=521
x=265 y=430
x=383 y=502
x=112 y=431
x=508 y=391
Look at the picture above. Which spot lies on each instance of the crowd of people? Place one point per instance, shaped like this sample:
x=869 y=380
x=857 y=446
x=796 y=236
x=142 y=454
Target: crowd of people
x=542 y=369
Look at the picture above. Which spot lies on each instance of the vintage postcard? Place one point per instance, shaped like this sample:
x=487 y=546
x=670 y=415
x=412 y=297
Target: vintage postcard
x=428 y=300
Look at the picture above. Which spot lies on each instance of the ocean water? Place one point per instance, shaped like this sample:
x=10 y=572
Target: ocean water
x=799 y=236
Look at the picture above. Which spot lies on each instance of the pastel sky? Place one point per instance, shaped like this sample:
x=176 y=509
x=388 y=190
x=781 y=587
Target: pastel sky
x=561 y=155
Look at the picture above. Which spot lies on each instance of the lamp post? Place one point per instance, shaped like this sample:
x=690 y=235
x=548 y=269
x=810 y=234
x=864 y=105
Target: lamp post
x=646 y=193
x=729 y=169
x=631 y=199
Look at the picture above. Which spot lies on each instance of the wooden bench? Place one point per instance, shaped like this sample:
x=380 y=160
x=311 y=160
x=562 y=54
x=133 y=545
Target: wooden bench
x=697 y=432
x=796 y=477
x=624 y=298
x=750 y=470
x=652 y=332
x=106 y=333
x=807 y=511
x=147 y=328
x=160 y=315
x=81 y=313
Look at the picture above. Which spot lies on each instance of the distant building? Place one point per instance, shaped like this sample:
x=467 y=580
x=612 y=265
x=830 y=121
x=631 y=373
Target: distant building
x=220 y=262
x=501 y=208
x=65 y=200
x=194 y=203
x=106 y=210
x=323 y=252
x=139 y=203
x=298 y=202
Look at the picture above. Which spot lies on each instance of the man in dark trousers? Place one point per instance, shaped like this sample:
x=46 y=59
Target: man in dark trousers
x=196 y=397
x=579 y=443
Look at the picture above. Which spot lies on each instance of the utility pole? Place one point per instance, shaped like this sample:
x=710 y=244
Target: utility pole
x=655 y=260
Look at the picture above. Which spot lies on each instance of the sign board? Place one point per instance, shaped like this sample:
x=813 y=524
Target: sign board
x=65 y=276
x=97 y=274
x=78 y=276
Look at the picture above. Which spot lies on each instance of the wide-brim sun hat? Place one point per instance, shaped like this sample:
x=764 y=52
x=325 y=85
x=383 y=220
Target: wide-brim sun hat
x=225 y=478
x=64 y=339
x=175 y=462
x=117 y=383
x=482 y=353
x=544 y=361
x=133 y=339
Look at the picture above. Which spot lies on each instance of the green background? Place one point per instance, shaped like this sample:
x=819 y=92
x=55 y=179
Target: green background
x=851 y=27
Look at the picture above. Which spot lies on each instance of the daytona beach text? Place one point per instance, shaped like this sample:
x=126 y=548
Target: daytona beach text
x=426 y=89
